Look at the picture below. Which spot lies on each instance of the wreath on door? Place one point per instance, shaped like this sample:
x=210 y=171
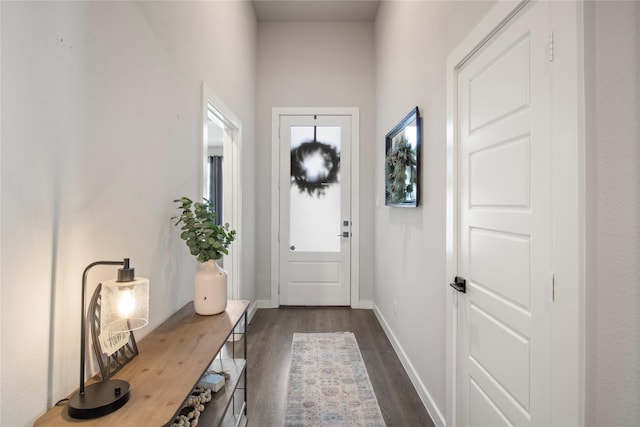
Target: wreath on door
x=314 y=165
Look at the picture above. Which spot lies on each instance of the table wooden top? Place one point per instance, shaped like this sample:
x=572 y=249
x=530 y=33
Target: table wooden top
x=171 y=360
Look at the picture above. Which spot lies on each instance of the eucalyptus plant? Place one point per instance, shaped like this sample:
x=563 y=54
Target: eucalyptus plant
x=206 y=239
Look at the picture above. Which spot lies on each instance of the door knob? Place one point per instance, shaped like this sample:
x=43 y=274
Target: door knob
x=293 y=248
x=459 y=284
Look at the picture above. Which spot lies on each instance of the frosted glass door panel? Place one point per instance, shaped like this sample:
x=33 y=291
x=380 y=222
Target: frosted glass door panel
x=315 y=223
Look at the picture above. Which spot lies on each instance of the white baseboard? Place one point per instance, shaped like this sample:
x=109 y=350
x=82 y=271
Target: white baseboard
x=423 y=392
x=265 y=303
x=259 y=303
x=252 y=311
x=364 y=304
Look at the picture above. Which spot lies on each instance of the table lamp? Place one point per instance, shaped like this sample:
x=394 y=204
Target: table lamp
x=125 y=307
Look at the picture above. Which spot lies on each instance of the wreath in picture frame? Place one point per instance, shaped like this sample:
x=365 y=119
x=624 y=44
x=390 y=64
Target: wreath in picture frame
x=400 y=161
x=326 y=173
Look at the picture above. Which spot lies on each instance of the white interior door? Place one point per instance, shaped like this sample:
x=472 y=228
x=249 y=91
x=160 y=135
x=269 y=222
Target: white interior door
x=504 y=214
x=315 y=217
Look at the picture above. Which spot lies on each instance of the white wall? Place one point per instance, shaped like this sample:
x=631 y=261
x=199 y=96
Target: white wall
x=612 y=70
x=100 y=132
x=413 y=40
x=215 y=42
x=314 y=64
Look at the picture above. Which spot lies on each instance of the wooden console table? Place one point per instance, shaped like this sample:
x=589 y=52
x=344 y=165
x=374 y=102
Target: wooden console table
x=172 y=359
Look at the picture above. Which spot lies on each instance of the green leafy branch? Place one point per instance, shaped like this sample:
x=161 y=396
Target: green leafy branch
x=205 y=239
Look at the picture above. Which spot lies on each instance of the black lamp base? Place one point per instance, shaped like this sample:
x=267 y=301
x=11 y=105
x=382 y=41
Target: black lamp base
x=99 y=399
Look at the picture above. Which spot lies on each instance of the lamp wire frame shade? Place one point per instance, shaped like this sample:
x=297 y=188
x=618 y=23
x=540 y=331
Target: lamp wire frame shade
x=109 y=364
x=124 y=305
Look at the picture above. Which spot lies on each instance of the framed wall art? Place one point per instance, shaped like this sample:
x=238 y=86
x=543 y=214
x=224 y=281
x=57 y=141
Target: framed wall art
x=402 y=162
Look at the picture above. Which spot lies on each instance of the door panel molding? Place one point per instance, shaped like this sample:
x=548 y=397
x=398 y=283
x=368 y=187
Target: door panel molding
x=354 y=113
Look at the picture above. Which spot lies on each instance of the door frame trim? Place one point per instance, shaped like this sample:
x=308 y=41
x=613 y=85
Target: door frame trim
x=568 y=176
x=232 y=188
x=354 y=112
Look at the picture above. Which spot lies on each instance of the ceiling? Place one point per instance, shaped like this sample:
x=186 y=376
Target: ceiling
x=316 y=10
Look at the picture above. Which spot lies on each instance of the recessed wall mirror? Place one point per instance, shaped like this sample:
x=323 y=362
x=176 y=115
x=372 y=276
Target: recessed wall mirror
x=402 y=162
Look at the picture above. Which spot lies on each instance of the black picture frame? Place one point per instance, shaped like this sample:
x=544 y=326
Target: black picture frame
x=402 y=162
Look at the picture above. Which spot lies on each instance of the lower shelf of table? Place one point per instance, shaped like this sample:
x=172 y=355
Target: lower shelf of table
x=235 y=420
x=226 y=407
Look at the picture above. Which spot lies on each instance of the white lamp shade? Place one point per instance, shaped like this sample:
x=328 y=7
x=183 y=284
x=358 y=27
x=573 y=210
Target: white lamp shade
x=124 y=306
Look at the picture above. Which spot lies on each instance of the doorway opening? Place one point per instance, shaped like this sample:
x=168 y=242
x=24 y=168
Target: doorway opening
x=220 y=176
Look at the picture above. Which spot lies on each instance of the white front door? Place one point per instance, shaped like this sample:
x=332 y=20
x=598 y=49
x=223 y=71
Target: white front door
x=315 y=214
x=504 y=220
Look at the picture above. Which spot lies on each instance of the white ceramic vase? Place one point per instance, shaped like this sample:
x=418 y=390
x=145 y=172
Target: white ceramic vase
x=210 y=293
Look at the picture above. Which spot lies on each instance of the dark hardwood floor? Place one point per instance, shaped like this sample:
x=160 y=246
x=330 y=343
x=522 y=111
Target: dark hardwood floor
x=269 y=339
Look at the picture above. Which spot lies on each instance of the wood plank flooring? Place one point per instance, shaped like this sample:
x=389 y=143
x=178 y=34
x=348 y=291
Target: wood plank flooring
x=269 y=339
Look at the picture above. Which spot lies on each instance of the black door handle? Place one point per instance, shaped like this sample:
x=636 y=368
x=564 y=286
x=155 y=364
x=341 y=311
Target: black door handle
x=459 y=285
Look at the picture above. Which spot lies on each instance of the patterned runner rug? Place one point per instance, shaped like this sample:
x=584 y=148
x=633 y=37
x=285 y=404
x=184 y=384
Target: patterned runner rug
x=329 y=384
